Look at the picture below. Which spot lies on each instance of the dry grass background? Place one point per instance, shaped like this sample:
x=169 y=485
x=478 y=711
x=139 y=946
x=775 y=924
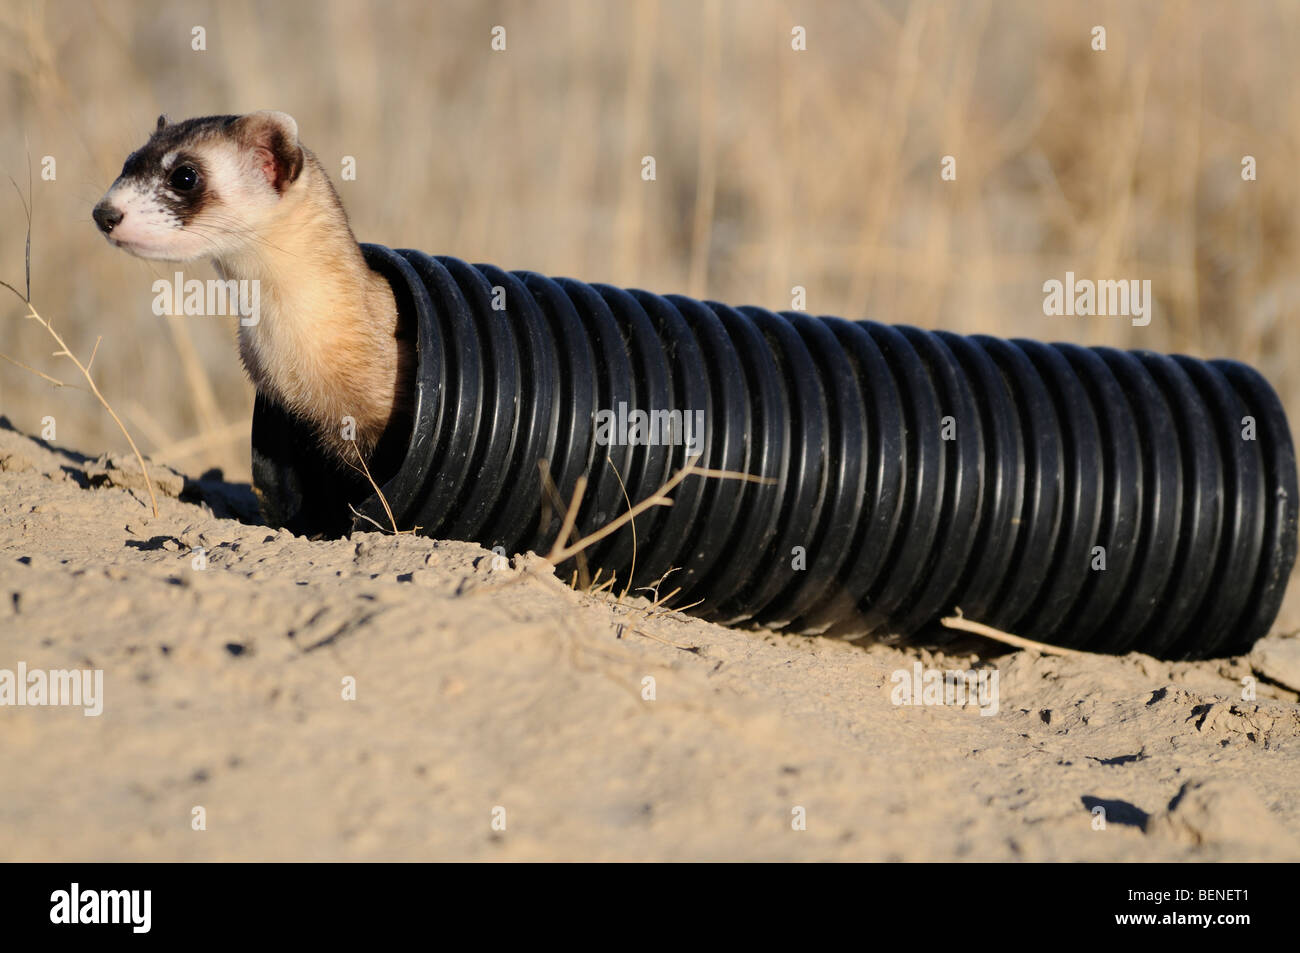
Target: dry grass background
x=775 y=168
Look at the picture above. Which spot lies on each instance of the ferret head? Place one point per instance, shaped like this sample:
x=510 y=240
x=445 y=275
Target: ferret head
x=201 y=187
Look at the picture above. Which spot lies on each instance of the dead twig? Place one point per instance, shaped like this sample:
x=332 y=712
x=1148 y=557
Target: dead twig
x=41 y=374
x=551 y=500
x=1018 y=641
x=65 y=351
x=560 y=552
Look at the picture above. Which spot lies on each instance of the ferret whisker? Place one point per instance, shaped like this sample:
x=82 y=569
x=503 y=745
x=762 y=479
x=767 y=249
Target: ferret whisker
x=233 y=227
x=245 y=193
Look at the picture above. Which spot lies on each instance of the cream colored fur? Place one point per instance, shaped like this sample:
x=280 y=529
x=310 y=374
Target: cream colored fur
x=325 y=346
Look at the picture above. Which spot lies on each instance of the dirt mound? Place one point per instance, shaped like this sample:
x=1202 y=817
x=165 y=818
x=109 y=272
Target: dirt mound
x=271 y=697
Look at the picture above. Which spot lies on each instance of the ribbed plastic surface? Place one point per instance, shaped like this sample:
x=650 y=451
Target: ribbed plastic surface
x=912 y=472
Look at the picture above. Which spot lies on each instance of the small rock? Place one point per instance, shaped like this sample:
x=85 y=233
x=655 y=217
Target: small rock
x=15 y=463
x=1277 y=658
x=122 y=470
x=425 y=578
x=1222 y=813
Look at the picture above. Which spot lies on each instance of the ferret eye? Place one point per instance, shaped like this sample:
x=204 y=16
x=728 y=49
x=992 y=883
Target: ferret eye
x=184 y=178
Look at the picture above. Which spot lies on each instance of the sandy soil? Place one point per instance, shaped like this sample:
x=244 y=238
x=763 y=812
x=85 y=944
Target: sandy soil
x=482 y=688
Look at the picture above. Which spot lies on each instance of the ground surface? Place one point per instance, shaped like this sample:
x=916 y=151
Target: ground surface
x=481 y=688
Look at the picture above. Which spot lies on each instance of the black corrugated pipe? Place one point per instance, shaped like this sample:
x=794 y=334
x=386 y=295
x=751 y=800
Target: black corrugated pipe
x=1088 y=497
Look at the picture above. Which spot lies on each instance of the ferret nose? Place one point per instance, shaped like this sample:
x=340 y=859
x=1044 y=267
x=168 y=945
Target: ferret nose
x=106 y=217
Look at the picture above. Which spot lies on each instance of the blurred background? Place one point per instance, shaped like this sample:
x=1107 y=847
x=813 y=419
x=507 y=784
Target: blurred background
x=774 y=167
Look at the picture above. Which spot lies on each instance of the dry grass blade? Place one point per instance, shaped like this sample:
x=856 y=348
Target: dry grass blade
x=362 y=516
x=631 y=573
x=551 y=503
x=605 y=586
x=64 y=350
x=660 y=600
x=388 y=510
x=570 y=518
x=1018 y=641
x=653 y=588
x=659 y=638
x=41 y=374
x=654 y=608
x=654 y=613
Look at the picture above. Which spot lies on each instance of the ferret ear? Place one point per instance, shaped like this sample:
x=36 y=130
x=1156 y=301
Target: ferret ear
x=162 y=124
x=273 y=138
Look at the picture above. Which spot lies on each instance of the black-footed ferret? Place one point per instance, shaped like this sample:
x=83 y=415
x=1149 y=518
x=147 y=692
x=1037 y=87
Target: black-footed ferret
x=244 y=192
